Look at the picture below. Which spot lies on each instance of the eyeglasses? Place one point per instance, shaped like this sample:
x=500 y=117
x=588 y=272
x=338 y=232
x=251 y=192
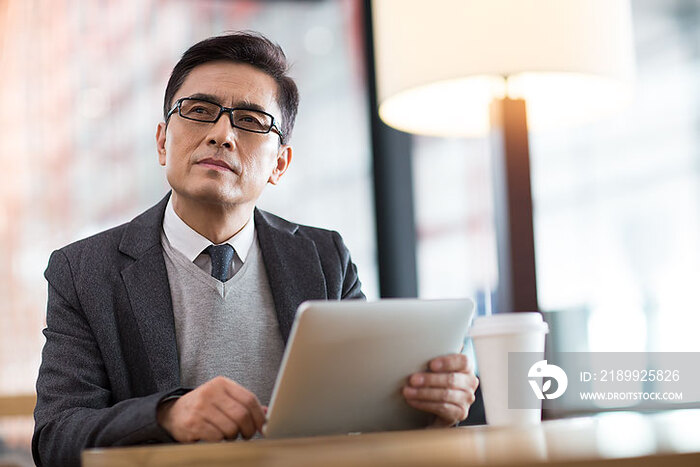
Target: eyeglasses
x=200 y=110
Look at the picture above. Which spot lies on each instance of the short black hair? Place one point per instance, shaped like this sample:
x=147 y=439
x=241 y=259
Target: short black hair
x=242 y=47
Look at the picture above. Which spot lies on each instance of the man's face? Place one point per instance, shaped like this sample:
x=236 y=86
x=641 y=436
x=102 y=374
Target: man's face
x=215 y=163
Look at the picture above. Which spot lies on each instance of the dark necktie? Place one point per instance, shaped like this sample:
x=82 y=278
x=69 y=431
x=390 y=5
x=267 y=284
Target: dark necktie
x=221 y=256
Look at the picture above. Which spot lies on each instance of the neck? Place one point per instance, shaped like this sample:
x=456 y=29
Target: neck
x=215 y=222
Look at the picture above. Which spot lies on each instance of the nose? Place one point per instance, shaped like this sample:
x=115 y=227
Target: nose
x=222 y=133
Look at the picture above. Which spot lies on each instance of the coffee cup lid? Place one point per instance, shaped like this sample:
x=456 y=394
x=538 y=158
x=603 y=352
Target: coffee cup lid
x=508 y=323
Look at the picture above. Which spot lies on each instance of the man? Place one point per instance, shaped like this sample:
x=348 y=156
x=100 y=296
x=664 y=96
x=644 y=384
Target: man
x=172 y=327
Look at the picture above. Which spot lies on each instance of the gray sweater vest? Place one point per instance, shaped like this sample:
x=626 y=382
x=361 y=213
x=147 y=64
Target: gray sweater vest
x=229 y=328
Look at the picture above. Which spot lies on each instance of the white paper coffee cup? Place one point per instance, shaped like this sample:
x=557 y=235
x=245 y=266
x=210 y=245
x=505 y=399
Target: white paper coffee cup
x=493 y=337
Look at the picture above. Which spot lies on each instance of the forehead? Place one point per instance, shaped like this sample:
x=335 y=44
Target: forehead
x=232 y=83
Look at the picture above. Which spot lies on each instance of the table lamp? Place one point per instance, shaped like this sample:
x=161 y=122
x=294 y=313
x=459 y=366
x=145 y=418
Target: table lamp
x=477 y=67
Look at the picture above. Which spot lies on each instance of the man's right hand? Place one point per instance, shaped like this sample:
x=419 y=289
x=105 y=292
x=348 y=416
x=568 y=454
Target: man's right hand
x=218 y=409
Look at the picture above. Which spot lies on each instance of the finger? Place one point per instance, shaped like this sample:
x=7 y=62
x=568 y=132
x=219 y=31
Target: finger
x=225 y=424
x=462 y=381
x=232 y=419
x=448 y=363
x=205 y=410
x=449 y=413
x=236 y=413
x=206 y=431
x=248 y=400
x=454 y=396
x=189 y=422
x=245 y=421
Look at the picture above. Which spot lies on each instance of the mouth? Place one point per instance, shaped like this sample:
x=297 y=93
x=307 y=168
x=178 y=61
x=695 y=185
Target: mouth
x=215 y=164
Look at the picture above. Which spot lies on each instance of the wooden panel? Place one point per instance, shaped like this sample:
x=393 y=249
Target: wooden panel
x=17 y=405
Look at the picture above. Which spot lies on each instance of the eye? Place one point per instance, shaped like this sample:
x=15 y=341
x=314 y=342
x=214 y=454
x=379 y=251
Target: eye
x=204 y=109
x=199 y=110
x=248 y=119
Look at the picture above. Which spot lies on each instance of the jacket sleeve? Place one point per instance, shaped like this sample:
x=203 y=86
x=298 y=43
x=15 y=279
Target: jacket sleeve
x=352 y=288
x=75 y=409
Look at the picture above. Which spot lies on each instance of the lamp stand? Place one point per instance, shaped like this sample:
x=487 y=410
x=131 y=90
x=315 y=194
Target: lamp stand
x=517 y=287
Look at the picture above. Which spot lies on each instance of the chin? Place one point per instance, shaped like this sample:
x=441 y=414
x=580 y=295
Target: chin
x=211 y=195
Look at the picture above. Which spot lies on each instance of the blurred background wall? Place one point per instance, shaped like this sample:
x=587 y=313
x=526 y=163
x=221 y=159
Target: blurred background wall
x=617 y=203
x=81 y=93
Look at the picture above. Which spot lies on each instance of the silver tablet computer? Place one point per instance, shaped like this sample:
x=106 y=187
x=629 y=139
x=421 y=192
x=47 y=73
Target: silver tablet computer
x=346 y=362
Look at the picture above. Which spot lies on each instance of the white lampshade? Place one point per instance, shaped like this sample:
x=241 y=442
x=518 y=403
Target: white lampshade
x=440 y=62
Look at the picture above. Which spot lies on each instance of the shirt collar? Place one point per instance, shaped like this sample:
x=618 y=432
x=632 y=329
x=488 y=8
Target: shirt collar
x=190 y=243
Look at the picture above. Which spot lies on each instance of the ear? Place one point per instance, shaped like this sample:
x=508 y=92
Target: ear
x=284 y=158
x=160 y=143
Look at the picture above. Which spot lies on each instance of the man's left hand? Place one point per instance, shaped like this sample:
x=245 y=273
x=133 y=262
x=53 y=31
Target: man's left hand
x=447 y=390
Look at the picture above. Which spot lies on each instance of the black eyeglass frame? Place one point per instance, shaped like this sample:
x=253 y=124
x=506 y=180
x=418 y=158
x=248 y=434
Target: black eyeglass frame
x=222 y=109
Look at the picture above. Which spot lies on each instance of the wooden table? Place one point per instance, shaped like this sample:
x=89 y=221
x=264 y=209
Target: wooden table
x=622 y=439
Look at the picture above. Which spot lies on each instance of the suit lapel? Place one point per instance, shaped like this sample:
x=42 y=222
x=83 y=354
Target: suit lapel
x=148 y=289
x=293 y=267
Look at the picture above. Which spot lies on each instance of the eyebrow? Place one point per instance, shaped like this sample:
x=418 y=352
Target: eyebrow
x=244 y=104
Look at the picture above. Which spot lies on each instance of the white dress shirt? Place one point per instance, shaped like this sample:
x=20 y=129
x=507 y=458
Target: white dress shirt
x=191 y=244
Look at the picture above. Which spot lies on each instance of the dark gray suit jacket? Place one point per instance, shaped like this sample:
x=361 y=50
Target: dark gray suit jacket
x=110 y=354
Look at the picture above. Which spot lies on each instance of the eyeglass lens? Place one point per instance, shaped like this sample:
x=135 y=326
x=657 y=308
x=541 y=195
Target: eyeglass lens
x=203 y=111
